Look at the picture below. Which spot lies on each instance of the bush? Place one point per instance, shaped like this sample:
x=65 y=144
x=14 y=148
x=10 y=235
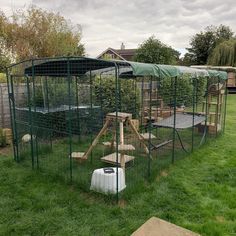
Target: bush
x=56 y=93
x=184 y=90
x=3 y=78
x=105 y=95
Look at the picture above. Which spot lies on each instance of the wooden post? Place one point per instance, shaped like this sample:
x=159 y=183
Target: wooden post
x=121 y=133
x=140 y=138
x=94 y=143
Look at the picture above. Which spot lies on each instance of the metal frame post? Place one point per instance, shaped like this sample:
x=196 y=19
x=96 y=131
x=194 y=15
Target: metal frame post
x=30 y=120
x=225 y=105
x=70 y=135
x=142 y=108
x=173 y=143
x=33 y=93
x=11 y=100
x=117 y=130
x=194 y=101
x=91 y=111
x=48 y=109
x=150 y=127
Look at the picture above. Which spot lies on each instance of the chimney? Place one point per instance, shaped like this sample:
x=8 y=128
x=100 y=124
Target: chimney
x=122 y=47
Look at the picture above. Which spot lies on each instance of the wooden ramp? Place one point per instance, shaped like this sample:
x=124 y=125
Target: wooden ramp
x=157 y=227
x=145 y=136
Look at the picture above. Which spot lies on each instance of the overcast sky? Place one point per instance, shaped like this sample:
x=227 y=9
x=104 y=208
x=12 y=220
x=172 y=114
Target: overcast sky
x=108 y=23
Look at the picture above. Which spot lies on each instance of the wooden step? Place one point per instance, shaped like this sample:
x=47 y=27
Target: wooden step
x=111 y=158
x=146 y=136
x=108 y=144
x=121 y=116
x=209 y=113
x=121 y=147
x=126 y=147
x=78 y=155
x=148 y=118
x=153 y=99
x=212 y=103
x=161 y=144
x=159 y=227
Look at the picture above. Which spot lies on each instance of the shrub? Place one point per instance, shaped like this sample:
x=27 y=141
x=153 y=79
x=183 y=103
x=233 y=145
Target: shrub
x=105 y=95
x=184 y=90
x=56 y=93
x=3 y=78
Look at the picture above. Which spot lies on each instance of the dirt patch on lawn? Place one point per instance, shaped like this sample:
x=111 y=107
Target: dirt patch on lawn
x=220 y=219
x=5 y=151
x=122 y=203
x=163 y=173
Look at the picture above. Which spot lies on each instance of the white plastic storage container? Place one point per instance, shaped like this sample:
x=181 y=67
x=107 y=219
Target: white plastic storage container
x=104 y=180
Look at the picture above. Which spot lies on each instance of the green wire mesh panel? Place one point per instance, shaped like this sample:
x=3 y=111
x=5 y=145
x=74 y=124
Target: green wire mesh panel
x=61 y=121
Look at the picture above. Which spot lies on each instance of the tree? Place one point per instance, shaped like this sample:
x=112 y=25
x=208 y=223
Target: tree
x=4 y=58
x=203 y=43
x=154 y=51
x=186 y=60
x=39 y=33
x=224 y=54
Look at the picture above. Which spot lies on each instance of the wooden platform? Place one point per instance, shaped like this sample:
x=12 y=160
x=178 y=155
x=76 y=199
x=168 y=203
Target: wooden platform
x=212 y=103
x=146 y=136
x=126 y=147
x=121 y=147
x=78 y=155
x=160 y=145
x=158 y=227
x=111 y=158
x=122 y=116
x=108 y=144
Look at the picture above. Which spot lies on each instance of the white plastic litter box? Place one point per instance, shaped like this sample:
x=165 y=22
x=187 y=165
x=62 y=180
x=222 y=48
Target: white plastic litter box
x=104 y=180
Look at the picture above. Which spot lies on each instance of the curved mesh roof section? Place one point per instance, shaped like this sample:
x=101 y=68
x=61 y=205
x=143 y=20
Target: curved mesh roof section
x=82 y=65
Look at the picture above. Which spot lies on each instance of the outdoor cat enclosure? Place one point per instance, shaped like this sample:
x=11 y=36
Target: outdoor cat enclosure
x=78 y=114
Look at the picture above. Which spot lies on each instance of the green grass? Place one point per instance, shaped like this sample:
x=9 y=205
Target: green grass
x=198 y=192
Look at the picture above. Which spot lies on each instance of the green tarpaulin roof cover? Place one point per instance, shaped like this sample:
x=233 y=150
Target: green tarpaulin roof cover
x=156 y=70
x=82 y=65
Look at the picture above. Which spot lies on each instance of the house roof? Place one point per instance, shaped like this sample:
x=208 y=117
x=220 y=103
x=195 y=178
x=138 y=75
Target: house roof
x=123 y=54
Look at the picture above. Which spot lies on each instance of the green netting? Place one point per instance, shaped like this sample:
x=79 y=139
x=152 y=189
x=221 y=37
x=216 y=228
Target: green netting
x=59 y=106
x=58 y=67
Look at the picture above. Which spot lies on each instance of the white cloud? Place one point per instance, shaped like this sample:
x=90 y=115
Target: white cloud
x=108 y=23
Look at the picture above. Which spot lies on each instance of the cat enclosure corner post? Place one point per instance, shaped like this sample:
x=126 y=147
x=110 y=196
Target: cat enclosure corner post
x=174 y=94
x=29 y=102
x=141 y=104
x=194 y=83
x=135 y=116
x=206 y=127
x=149 y=127
x=70 y=116
x=35 y=138
x=218 y=107
x=91 y=112
x=225 y=105
x=116 y=128
x=48 y=110
x=11 y=100
x=100 y=98
x=119 y=91
x=77 y=107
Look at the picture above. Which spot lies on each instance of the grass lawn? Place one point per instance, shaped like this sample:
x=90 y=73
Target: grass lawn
x=198 y=192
